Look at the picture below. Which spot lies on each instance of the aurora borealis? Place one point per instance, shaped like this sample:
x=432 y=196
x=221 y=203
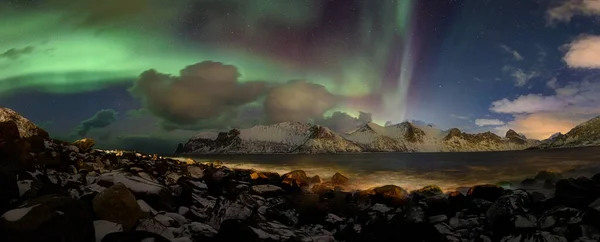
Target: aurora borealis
x=155 y=72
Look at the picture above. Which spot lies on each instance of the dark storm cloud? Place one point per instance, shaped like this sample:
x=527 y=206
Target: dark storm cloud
x=298 y=101
x=101 y=119
x=16 y=53
x=342 y=122
x=201 y=91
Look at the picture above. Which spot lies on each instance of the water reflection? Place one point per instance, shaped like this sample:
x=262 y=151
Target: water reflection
x=415 y=170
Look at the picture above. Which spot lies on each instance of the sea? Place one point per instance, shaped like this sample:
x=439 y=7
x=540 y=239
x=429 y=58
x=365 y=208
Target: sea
x=449 y=171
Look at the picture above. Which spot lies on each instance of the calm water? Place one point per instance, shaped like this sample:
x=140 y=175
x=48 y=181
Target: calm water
x=415 y=170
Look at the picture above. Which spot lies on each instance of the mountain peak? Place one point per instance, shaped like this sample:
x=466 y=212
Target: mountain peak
x=511 y=133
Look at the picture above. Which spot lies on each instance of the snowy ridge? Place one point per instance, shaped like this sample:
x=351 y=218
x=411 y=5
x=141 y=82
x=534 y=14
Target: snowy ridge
x=585 y=134
x=295 y=137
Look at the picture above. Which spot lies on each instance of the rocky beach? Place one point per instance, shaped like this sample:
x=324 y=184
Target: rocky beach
x=61 y=191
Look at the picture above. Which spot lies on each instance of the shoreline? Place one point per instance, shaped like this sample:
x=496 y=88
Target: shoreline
x=113 y=195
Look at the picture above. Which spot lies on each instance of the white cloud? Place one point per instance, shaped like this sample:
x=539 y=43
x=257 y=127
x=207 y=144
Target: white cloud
x=567 y=9
x=515 y=54
x=584 y=52
x=530 y=103
x=488 y=122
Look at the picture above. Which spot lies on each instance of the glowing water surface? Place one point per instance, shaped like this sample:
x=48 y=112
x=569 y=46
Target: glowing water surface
x=415 y=170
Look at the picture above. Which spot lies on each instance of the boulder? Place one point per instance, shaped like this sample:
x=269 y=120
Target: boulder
x=509 y=212
x=48 y=218
x=117 y=204
x=528 y=183
x=339 y=179
x=264 y=177
x=486 y=192
x=427 y=191
x=295 y=179
x=548 y=175
x=389 y=195
x=84 y=145
x=315 y=179
x=576 y=193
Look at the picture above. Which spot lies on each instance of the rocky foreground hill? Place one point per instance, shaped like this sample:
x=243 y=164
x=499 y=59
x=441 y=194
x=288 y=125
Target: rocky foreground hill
x=295 y=137
x=70 y=192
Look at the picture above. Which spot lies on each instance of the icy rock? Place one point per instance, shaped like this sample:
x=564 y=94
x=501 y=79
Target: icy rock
x=241 y=209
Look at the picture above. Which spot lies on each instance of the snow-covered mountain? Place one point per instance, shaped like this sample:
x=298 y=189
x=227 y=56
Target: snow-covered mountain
x=295 y=137
x=585 y=134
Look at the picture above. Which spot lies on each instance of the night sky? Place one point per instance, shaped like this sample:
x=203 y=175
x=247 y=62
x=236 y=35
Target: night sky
x=146 y=74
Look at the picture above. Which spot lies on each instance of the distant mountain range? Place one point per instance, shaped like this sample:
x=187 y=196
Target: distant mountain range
x=585 y=134
x=295 y=137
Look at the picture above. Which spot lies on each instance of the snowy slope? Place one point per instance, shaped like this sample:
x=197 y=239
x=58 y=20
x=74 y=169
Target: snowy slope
x=294 y=137
x=585 y=134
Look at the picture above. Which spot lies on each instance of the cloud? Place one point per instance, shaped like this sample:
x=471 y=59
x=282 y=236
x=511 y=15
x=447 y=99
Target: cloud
x=584 y=52
x=488 y=122
x=515 y=54
x=459 y=117
x=202 y=91
x=298 y=101
x=520 y=76
x=101 y=119
x=552 y=83
x=539 y=116
x=343 y=122
x=530 y=103
x=567 y=9
x=16 y=53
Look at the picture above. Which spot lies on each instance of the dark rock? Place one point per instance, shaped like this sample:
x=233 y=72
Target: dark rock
x=538 y=236
x=236 y=230
x=199 y=231
x=559 y=217
x=117 y=204
x=315 y=179
x=388 y=194
x=48 y=218
x=339 y=179
x=134 y=236
x=548 y=175
x=548 y=184
x=457 y=200
x=537 y=197
x=266 y=190
x=576 y=193
x=529 y=183
x=486 y=192
x=515 y=203
x=261 y=178
x=242 y=207
x=427 y=191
